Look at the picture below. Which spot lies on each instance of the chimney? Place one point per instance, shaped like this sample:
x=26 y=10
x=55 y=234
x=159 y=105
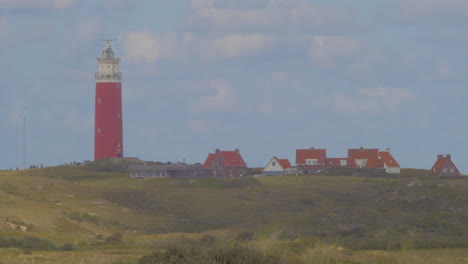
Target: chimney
x=449 y=156
x=217 y=150
x=440 y=156
x=389 y=150
x=312 y=149
x=237 y=150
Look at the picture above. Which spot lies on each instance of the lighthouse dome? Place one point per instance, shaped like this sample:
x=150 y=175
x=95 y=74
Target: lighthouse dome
x=108 y=53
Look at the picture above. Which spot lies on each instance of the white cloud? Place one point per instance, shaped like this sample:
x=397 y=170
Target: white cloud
x=36 y=4
x=327 y=50
x=374 y=99
x=431 y=10
x=269 y=15
x=120 y=3
x=202 y=3
x=225 y=99
x=149 y=47
x=443 y=71
x=234 y=46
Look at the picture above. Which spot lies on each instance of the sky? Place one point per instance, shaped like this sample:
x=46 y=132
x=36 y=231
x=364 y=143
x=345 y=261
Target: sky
x=265 y=76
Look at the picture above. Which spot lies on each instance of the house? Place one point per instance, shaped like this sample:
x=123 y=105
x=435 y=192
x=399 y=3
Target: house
x=444 y=166
x=174 y=171
x=391 y=166
x=311 y=161
x=373 y=159
x=364 y=158
x=226 y=164
x=337 y=162
x=277 y=167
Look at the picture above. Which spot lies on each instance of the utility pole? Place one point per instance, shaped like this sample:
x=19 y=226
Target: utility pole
x=25 y=164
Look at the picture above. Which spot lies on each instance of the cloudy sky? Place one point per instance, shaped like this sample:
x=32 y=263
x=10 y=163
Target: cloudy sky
x=264 y=76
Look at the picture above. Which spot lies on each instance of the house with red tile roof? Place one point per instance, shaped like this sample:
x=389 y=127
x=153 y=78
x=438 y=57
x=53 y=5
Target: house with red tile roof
x=391 y=166
x=311 y=161
x=226 y=164
x=444 y=166
x=277 y=166
x=337 y=162
x=373 y=159
x=364 y=158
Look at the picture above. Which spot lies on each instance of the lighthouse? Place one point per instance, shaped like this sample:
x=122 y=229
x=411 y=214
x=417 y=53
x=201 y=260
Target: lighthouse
x=108 y=130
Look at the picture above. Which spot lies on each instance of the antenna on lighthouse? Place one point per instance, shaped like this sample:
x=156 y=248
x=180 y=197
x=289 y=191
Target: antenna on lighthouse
x=108 y=41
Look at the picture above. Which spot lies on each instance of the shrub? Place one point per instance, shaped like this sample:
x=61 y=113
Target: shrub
x=208 y=239
x=67 y=247
x=115 y=237
x=222 y=252
x=27 y=243
x=245 y=236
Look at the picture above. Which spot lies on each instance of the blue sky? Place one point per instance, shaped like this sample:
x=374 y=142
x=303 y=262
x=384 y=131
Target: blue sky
x=264 y=76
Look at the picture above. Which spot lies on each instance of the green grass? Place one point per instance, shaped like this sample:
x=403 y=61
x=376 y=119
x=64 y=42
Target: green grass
x=82 y=205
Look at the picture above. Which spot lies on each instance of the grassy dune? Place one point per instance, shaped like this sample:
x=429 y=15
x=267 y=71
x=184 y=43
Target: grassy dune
x=79 y=208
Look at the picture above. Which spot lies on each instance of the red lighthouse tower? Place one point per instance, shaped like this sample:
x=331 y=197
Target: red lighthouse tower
x=108 y=134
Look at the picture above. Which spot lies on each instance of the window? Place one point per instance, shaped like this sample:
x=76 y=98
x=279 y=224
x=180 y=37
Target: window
x=99 y=130
x=311 y=161
x=99 y=100
x=343 y=163
x=118 y=145
x=118 y=115
x=273 y=164
x=445 y=170
x=452 y=170
x=361 y=163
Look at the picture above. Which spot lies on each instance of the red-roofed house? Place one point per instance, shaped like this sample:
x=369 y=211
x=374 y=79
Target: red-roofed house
x=226 y=164
x=337 y=162
x=364 y=158
x=311 y=161
x=390 y=164
x=444 y=166
x=277 y=166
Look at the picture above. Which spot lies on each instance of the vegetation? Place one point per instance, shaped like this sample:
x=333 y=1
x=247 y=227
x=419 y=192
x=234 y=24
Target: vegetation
x=98 y=211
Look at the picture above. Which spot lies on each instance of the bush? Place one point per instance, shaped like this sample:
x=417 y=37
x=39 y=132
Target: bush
x=67 y=247
x=188 y=252
x=27 y=243
x=208 y=239
x=245 y=236
x=115 y=237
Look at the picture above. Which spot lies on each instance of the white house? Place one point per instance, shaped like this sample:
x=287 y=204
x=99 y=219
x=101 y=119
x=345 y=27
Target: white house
x=277 y=166
x=391 y=166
